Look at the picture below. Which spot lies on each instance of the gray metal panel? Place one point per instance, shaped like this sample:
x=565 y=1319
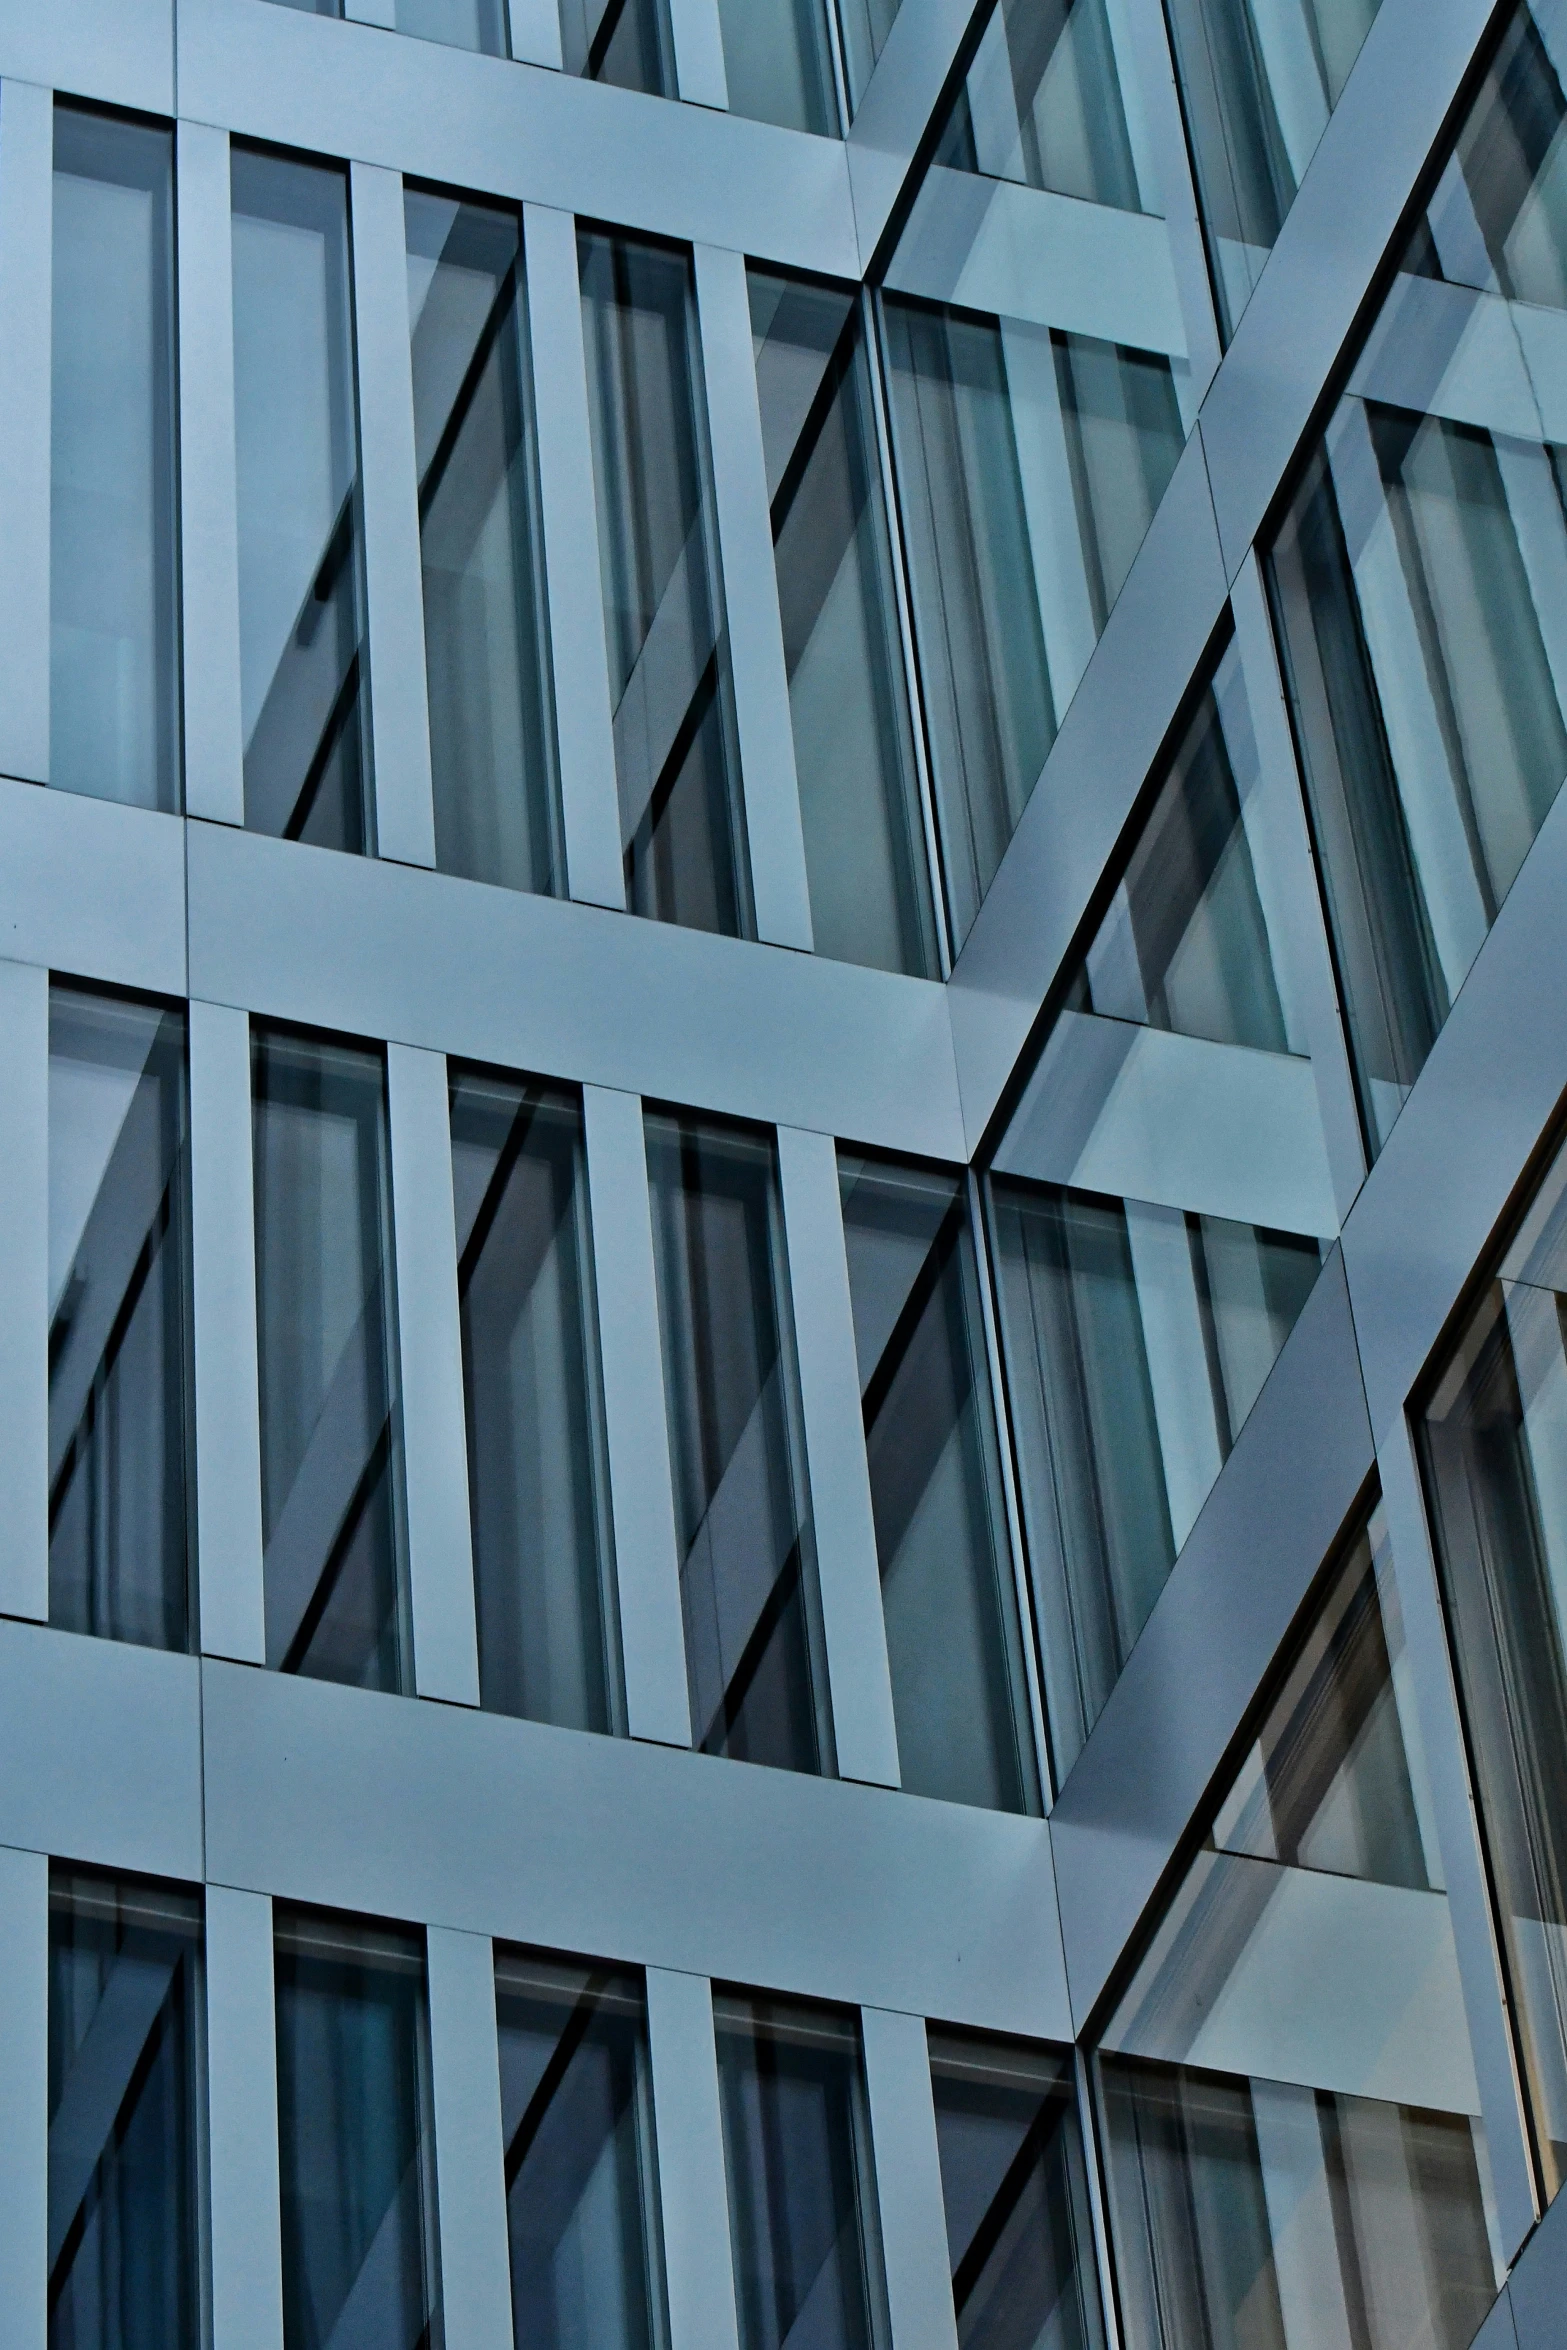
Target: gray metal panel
x=779 y=890
x=699 y=52
x=394 y=587
x=535 y=31
x=1278 y=1507
x=244 y=2203
x=223 y=1284
x=100 y=1751
x=908 y=2181
x=470 y=2152
x=1108 y=742
x=26 y=245
x=571 y=991
x=1499 y=2331
x=517 y=130
x=647 y=1561
x=1313 y=285
x=896 y=107
x=435 y=1436
x=24 y=2097
x=1458 y=1151
x=24 y=1290
x=209 y=516
x=400 y=1808
x=122 y=50
x=584 y=724
x=92 y=888
x=692 y=2192
x=1156 y=94
x=1538 y=2290
x=848 y=1569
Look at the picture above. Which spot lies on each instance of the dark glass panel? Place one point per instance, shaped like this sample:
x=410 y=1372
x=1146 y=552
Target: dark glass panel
x=1042 y=104
x=303 y=669
x=124 y=2222
x=355 y=2141
x=778 y=62
x=114 y=718
x=486 y=629
x=576 y=2111
x=626 y=42
x=119 y=1349
x=742 y=1511
x=331 y=1468
x=960 y=1697
x=536 y=1474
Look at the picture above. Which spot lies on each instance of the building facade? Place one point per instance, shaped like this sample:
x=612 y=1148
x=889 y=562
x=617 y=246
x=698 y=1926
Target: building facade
x=783 y=1012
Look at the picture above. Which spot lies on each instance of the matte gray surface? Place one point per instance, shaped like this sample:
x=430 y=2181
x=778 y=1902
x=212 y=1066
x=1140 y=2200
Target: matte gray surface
x=698 y=2267
x=26 y=210
x=24 y=1290
x=209 y=520
x=24 y=2095
x=247 y=2293
x=470 y=2147
x=121 y=50
x=908 y=2181
x=1538 y=2290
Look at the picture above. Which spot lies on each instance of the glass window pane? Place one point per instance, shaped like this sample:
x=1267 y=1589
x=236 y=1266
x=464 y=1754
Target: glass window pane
x=331 y=1465
x=742 y=1511
x=119 y=1345
x=848 y=694
x=354 y=2135
x=113 y=666
x=536 y=1473
x=802 y=2201
x=676 y=755
x=1019 y=2228
x=124 y=2222
x=777 y=63
x=1041 y=104
x=1295 y=2153
x=866 y=24
x=577 y=2118
x=1495 y=1447
x=303 y=667
x=1136 y=1340
x=959 y=1694
x=486 y=629
x=462 y=24
x=626 y=42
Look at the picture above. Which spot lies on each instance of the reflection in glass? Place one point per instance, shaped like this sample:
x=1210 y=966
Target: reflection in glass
x=866 y=24
x=1495 y=1446
x=848 y=692
x=576 y=2112
x=1019 y=2228
x=1259 y=79
x=331 y=1451
x=354 y=2135
x=124 y=2224
x=537 y=1482
x=461 y=24
x=742 y=1511
x=113 y=666
x=626 y=42
x=1417 y=587
x=959 y=1694
x=676 y=754
x=119 y=1504
x=1295 y=2153
x=802 y=2198
x=1042 y=105
x=1136 y=1340
x=486 y=641
x=778 y=64
x=1030 y=463
x=303 y=667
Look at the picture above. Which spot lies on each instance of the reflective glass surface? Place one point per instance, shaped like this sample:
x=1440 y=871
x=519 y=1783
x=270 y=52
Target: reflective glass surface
x=331 y=1451
x=960 y=1698
x=778 y=62
x=1495 y=1447
x=676 y=754
x=1294 y=2149
x=1042 y=103
x=120 y=1511
x=486 y=626
x=577 y=2115
x=1136 y=1340
x=114 y=714
x=626 y=42
x=303 y=668
x=461 y=24
x=866 y=24
x=1259 y=79
x=1418 y=580
x=854 y=755
x=537 y=1480
x=125 y=2249
x=742 y=1509
x=356 y=2150
x=802 y=2201
x=1013 y=2179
